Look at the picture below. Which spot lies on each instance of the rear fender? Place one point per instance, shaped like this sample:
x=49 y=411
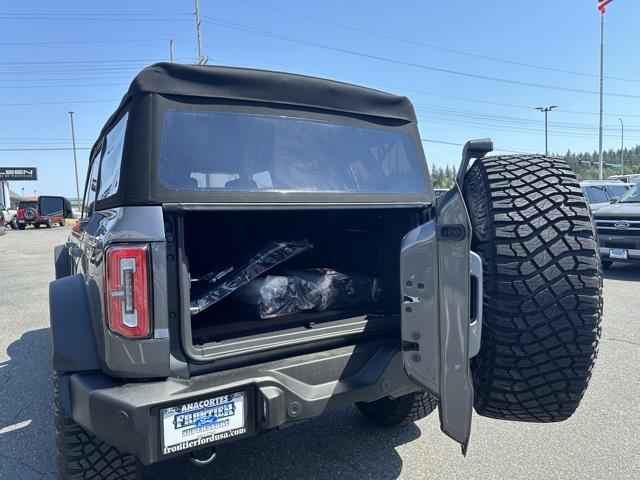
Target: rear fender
x=74 y=346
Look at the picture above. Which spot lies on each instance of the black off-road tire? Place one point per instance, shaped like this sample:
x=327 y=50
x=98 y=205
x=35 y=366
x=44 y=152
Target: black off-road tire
x=14 y=223
x=49 y=223
x=391 y=412
x=542 y=288
x=82 y=456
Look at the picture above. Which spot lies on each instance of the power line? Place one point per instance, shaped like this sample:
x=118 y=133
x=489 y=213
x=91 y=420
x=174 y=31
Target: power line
x=67 y=85
x=95 y=14
x=431 y=46
x=41 y=149
x=74 y=62
x=100 y=19
x=288 y=38
x=383 y=86
x=67 y=102
x=80 y=42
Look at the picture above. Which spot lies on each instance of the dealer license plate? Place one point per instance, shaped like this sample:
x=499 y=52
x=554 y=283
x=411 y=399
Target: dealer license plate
x=618 y=253
x=201 y=422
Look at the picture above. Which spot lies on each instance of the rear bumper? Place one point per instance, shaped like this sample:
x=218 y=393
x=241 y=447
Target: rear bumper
x=127 y=415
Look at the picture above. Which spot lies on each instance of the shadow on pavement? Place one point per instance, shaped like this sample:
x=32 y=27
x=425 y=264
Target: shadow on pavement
x=621 y=271
x=26 y=409
x=339 y=445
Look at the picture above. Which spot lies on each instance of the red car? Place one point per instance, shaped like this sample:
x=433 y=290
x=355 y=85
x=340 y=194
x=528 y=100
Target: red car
x=28 y=214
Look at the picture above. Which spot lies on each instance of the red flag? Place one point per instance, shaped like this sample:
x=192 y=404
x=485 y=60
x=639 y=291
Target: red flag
x=602 y=4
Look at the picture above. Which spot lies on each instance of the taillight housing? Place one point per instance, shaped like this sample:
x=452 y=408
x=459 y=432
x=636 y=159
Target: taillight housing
x=20 y=213
x=127 y=293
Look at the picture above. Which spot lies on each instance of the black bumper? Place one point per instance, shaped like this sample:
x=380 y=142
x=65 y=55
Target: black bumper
x=629 y=243
x=127 y=415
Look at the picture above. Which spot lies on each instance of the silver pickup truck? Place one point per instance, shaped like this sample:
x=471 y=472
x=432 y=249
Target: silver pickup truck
x=618 y=227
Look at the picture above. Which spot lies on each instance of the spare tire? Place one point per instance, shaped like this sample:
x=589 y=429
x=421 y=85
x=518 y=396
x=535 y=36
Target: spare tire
x=542 y=287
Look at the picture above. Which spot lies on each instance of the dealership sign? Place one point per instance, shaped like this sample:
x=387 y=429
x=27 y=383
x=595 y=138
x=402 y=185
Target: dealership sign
x=18 y=173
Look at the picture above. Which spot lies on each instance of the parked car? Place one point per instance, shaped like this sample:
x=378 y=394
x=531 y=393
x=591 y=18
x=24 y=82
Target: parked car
x=283 y=254
x=3 y=225
x=631 y=178
x=10 y=216
x=29 y=214
x=600 y=193
x=618 y=228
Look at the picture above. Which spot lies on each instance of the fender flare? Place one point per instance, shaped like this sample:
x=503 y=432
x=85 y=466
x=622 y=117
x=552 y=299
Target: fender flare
x=73 y=340
x=62 y=261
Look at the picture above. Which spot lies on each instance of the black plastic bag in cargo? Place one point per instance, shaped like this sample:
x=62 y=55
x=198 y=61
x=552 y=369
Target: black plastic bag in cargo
x=300 y=290
x=277 y=295
x=341 y=290
x=216 y=285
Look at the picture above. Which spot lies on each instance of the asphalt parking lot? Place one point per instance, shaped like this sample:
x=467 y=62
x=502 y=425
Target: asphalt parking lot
x=600 y=441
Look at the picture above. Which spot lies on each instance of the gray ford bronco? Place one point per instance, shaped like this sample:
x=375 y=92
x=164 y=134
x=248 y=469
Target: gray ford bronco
x=259 y=247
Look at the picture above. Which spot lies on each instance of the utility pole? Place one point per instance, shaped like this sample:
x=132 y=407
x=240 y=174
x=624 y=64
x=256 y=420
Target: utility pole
x=600 y=156
x=622 y=147
x=171 y=50
x=601 y=7
x=546 y=111
x=201 y=58
x=75 y=158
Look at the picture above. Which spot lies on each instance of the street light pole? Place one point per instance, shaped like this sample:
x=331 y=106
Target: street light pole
x=546 y=111
x=622 y=147
x=75 y=158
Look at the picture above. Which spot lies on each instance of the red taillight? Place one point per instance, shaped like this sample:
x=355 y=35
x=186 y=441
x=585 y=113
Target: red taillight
x=127 y=290
x=21 y=213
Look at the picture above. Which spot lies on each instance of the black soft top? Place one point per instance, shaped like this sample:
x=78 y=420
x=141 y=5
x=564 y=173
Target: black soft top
x=159 y=86
x=267 y=86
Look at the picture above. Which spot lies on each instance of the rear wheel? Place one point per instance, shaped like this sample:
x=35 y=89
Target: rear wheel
x=14 y=223
x=390 y=412
x=49 y=223
x=82 y=456
x=542 y=288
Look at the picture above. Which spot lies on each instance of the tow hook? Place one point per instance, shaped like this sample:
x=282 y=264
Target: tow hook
x=203 y=457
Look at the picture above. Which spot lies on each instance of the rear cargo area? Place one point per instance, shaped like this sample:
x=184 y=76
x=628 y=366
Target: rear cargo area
x=359 y=247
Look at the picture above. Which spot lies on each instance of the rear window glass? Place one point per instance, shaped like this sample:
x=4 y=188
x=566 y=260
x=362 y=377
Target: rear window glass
x=230 y=151
x=27 y=204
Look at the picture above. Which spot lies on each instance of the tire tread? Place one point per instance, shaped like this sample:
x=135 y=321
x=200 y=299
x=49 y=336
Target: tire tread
x=542 y=287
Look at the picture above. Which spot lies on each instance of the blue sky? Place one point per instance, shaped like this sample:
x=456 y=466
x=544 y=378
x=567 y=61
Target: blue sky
x=80 y=56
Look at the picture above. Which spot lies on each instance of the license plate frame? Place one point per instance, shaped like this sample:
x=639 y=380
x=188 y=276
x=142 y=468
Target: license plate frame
x=618 y=253
x=205 y=421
